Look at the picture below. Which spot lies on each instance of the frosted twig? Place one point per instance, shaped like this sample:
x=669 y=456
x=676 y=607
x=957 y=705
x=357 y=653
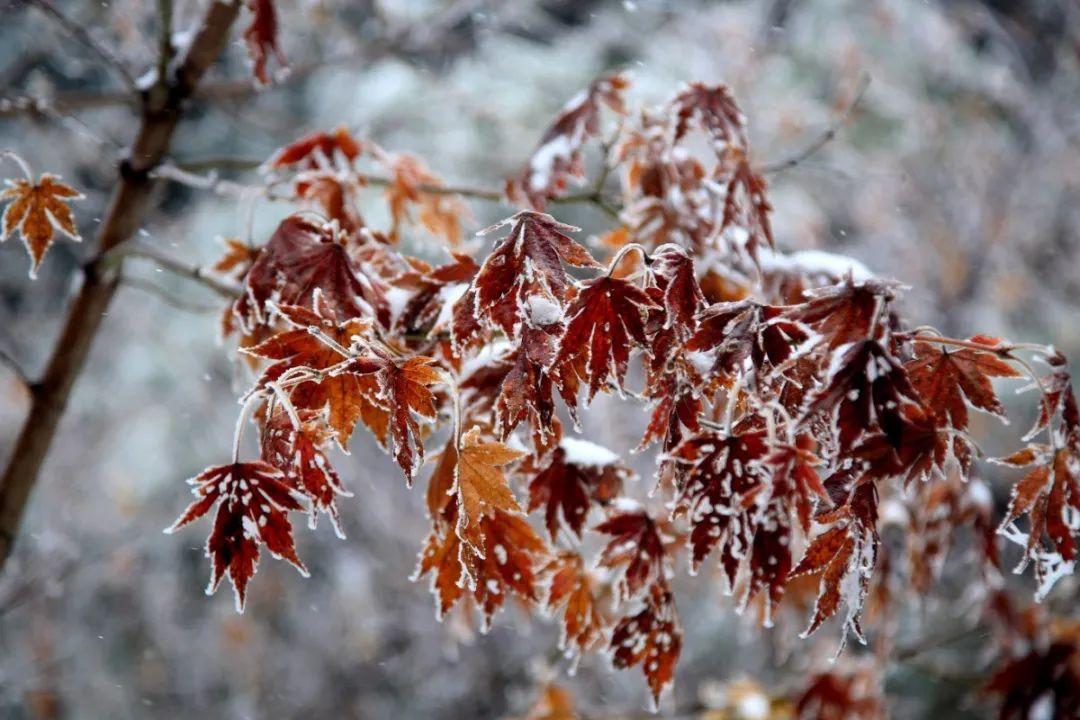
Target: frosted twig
x=198 y=273
x=12 y=364
x=825 y=138
x=79 y=31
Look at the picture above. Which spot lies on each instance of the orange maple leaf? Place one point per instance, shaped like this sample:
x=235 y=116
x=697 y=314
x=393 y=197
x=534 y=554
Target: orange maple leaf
x=481 y=485
x=38 y=211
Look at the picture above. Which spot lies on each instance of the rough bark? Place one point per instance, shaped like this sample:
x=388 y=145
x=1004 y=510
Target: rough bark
x=162 y=107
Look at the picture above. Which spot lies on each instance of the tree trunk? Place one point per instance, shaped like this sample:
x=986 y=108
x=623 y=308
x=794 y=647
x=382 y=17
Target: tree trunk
x=162 y=107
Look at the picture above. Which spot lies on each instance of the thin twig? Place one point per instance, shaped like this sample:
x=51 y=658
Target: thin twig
x=165 y=296
x=178 y=267
x=187 y=173
x=903 y=655
x=165 y=46
x=86 y=39
x=825 y=138
x=12 y=364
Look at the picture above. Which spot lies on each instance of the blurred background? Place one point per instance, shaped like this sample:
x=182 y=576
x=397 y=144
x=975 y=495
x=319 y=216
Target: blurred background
x=959 y=174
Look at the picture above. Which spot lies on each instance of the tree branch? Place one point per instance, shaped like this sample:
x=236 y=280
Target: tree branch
x=165 y=296
x=12 y=364
x=161 y=112
x=87 y=40
x=178 y=267
x=825 y=138
x=187 y=174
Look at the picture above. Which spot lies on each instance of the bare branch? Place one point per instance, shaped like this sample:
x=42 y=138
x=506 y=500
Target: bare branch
x=222 y=287
x=165 y=296
x=87 y=40
x=12 y=364
x=165 y=46
x=128 y=206
x=187 y=173
x=825 y=138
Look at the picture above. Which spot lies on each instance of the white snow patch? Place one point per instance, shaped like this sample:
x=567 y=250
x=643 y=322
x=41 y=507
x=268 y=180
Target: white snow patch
x=586 y=454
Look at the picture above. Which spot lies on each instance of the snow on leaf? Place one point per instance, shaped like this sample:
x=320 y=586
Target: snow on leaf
x=331 y=195
x=434 y=291
x=528 y=261
x=568 y=485
x=734 y=331
x=253 y=501
x=526 y=389
x=299 y=348
x=1049 y=494
x=404 y=390
x=637 y=551
x=719 y=493
x=846 y=312
x=299 y=453
x=38 y=211
x=511 y=563
x=607 y=319
x=713 y=109
x=558 y=157
x=866 y=389
x=651 y=638
x=844 y=556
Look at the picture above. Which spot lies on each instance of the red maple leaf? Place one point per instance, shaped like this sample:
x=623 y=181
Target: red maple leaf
x=318 y=150
x=527 y=262
x=404 y=390
x=38 y=211
x=570 y=588
x=866 y=389
x=558 y=157
x=298 y=348
x=526 y=388
x=331 y=195
x=846 y=312
x=1048 y=494
x=253 y=501
x=948 y=380
x=607 y=319
x=844 y=556
x=435 y=290
x=637 y=550
x=840 y=696
x=261 y=37
x=719 y=491
x=299 y=453
x=714 y=110
x=735 y=331
x=651 y=638
x=570 y=483
x=1042 y=679
x=300 y=260
x=511 y=563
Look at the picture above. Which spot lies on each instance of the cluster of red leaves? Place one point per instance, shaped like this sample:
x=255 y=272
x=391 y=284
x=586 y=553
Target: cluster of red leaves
x=1043 y=682
x=781 y=418
x=558 y=158
x=840 y=695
